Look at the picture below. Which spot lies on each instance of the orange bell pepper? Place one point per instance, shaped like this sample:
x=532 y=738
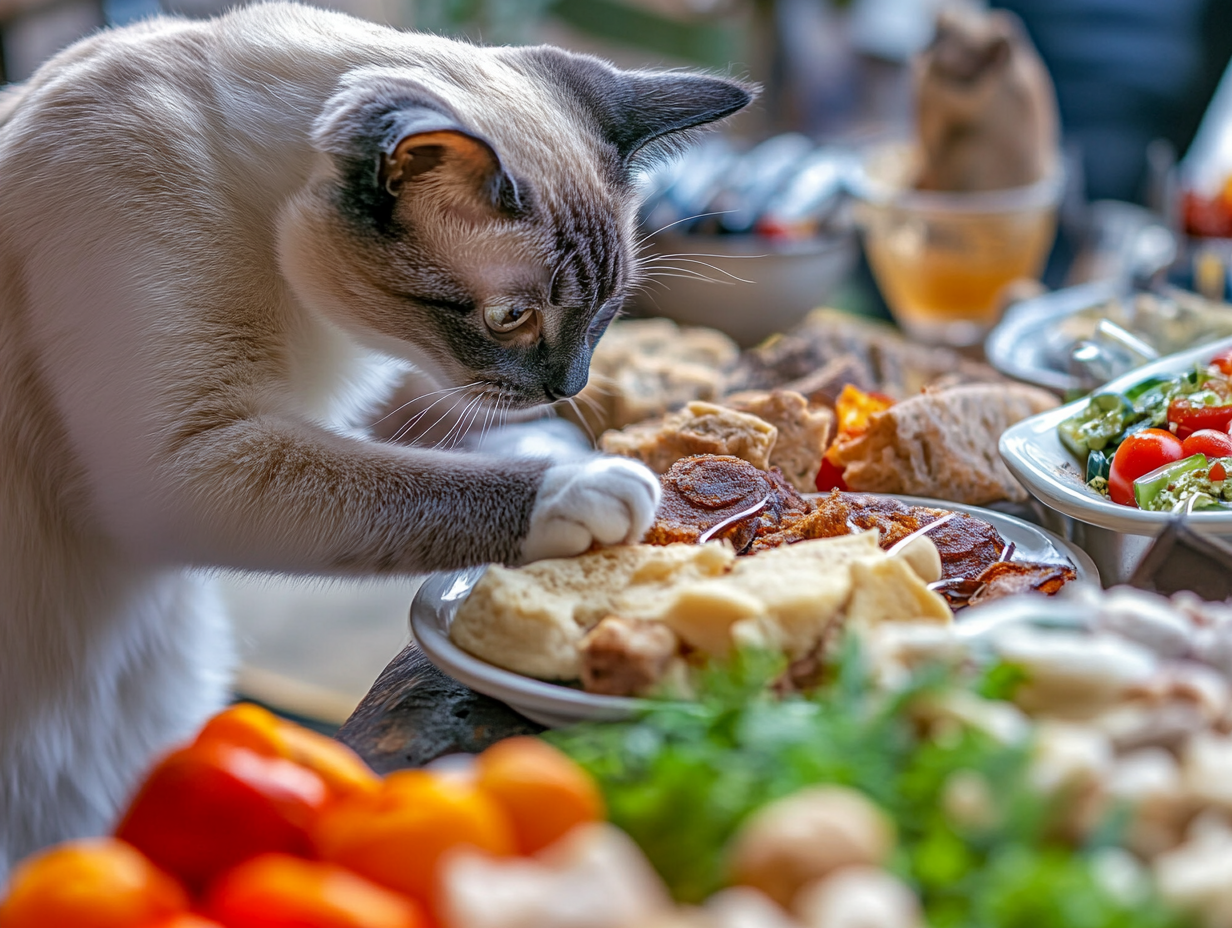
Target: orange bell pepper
x=277 y=891
x=854 y=408
x=187 y=920
x=544 y=793
x=399 y=836
x=205 y=808
x=101 y=883
x=250 y=726
x=853 y=411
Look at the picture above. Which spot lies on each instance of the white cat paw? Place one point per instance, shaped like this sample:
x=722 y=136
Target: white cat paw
x=608 y=500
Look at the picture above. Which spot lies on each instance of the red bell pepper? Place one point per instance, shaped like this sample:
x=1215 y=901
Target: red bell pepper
x=207 y=807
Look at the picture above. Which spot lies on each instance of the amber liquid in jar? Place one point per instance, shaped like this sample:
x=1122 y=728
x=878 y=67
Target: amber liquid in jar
x=944 y=275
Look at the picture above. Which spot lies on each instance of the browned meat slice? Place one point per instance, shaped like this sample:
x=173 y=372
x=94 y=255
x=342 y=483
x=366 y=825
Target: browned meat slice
x=967 y=545
x=1008 y=578
x=706 y=491
x=626 y=657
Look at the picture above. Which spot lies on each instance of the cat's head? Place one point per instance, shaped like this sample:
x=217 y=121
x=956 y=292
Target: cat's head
x=475 y=213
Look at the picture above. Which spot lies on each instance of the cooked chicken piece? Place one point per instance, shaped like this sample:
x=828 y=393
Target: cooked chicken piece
x=644 y=367
x=626 y=657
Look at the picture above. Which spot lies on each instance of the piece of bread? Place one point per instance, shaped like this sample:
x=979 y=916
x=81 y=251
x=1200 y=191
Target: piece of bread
x=942 y=444
x=642 y=368
x=535 y=619
x=803 y=432
x=532 y=619
x=699 y=428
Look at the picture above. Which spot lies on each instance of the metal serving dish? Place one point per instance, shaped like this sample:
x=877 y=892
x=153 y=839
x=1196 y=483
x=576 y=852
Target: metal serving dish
x=1075 y=339
x=555 y=704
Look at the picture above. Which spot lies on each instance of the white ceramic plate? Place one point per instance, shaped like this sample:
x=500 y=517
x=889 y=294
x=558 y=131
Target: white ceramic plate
x=556 y=705
x=1033 y=452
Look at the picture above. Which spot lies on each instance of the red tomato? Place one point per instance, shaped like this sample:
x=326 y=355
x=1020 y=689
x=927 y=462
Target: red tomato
x=1223 y=362
x=1212 y=443
x=1218 y=473
x=1140 y=454
x=1189 y=418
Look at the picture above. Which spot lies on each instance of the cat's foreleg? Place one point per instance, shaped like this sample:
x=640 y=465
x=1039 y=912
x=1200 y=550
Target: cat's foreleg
x=274 y=493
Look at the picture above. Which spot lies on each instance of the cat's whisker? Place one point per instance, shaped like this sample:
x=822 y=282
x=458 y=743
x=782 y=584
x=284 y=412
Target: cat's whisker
x=718 y=270
x=443 y=416
x=460 y=426
x=407 y=426
x=649 y=235
x=689 y=275
x=582 y=418
x=423 y=396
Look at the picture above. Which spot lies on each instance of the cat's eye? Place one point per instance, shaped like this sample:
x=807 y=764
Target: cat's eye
x=505 y=317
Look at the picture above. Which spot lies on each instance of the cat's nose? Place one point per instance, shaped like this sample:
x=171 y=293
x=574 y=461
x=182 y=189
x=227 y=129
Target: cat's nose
x=568 y=382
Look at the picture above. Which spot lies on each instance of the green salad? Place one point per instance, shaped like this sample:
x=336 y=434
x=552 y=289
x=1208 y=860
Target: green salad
x=1163 y=445
x=684 y=780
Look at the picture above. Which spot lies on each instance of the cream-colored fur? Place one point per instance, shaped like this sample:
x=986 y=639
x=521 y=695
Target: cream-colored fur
x=193 y=333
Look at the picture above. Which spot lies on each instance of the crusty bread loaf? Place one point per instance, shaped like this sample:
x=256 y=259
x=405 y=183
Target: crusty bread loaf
x=803 y=432
x=699 y=428
x=942 y=444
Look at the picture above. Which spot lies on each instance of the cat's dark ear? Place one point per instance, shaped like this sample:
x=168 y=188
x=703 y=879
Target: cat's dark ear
x=389 y=134
x=641 y=113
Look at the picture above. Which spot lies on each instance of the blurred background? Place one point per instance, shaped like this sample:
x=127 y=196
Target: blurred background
x=1132 y=77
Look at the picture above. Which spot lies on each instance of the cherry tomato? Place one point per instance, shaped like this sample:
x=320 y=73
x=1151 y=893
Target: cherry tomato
x=1212 y=443
x=1140 y=454
x=1189 y=418
x=1223 y=362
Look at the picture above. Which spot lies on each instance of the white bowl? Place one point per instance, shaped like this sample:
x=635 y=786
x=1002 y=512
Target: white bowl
x=752 y=287
x=556 y=705
x=1033 y=452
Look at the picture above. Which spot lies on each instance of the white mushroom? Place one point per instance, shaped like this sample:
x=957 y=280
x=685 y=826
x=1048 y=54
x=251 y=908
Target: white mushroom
x=745 y=907
x=1207 y=766
x=1147 y=618
x=859 y=897
x=806 y=836
x=1150 y=781
x=1069 y=757
x=1073 y=675
x=594 y=877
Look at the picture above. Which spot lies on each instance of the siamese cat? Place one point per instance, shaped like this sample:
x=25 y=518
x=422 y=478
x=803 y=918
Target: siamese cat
x=221 y=244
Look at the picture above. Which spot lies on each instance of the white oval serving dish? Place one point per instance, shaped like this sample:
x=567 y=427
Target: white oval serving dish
x=1033 y=452
x=556 y=705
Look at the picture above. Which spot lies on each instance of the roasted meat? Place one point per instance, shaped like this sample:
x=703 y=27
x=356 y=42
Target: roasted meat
x=966 y=544
x=705 y=492
x=1008 y=578
x=714 y=496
